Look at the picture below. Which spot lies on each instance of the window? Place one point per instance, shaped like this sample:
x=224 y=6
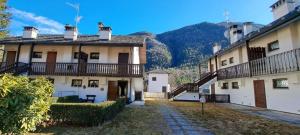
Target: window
x=164 y=89
x=231 y=60
x=224 y=63
x=93 y=83
x=76 y=83
x=94 y=56
x=235 y=85
x=273 y=46
x=76 y=55
x=153 y=78
x=281 y=83
x=37 y=55
x=225 y=86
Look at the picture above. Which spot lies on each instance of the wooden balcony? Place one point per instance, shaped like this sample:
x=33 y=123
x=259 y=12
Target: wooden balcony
x=280 y=63
x=15 y=68
x=87 y=69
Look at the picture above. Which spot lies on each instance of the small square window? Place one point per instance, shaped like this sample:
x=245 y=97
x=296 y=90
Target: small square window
x=94 y=56
x=231 y=60
x=273 y=46
x=76 y=83
x=93 y=83
x=76 y=55
x=224 y=62
x=235 y=85
x=225 y=86
x=153 y=78
x=37 y=55
x=281 y=83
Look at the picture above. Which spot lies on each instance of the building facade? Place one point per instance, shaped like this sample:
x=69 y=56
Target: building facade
x=261 y=66
x=103 y=65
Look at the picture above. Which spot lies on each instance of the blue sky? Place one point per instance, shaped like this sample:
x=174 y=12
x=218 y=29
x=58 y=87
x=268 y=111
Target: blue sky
x=128 y=16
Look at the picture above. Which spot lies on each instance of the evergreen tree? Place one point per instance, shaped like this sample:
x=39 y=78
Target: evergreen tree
x=4 y=18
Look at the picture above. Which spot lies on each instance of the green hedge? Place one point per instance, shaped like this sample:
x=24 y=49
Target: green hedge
x=66 y=99
x=85 y=114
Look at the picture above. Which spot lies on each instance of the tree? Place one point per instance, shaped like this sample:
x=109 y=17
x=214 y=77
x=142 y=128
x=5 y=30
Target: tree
x=4 y=18
x=24 y=103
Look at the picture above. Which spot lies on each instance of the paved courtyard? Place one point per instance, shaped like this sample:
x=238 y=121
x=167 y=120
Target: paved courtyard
x=179 y=124
x=289 y=118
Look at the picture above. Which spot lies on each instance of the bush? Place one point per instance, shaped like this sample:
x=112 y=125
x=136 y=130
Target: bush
x=85 y=114
x=66 y=99
x=24 y=103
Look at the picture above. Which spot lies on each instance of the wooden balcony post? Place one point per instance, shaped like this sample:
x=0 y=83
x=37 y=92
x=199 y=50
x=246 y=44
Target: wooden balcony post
x=249 y=59
x=79 y=61
x=18 y=55
x=30 y=57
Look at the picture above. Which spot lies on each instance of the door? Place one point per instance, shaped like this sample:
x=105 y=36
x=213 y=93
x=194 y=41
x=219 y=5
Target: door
x=123 y=59
x=83 y=62
x=260 y=94
x=51 y=62
x=11 y=58
x=138 y=96
x=112 y=93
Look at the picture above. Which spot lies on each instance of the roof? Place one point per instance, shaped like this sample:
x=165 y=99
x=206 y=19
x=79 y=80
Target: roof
x=285 y=20
x=82 y=39
x=157 y=72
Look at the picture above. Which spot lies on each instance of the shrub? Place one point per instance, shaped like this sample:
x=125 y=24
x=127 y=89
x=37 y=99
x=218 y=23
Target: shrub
x=85 y=114
x=68 y=99
x=24 y=103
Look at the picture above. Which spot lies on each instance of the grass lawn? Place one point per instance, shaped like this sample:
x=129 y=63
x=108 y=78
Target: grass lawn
x=225 y=121
x=132 y=120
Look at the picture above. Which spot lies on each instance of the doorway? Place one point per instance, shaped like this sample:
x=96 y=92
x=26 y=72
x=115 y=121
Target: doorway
x=10 y=58
x=259 y=93
x=123 y=60
x=83 y=57
x=51 y=62
x=122 y=85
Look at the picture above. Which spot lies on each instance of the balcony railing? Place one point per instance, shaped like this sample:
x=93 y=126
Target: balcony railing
x=15 y=68
x=280 y=63
x=87 y=69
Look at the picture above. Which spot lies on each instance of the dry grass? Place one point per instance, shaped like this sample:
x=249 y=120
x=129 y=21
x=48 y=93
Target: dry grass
x=225 y=121
x=133 y=121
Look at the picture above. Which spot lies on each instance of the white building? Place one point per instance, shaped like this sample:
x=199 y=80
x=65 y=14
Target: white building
x=102 y=64
x=260 y=67
x=158 y=82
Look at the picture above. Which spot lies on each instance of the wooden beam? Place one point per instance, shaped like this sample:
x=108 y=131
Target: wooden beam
x=18 y=54
x=79 y=59
x=249 y=58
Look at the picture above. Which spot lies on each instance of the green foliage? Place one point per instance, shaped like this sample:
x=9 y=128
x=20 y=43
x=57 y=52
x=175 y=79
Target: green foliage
x=85 y=114
x=24 y=103
x=158 y=57
x=4 y=18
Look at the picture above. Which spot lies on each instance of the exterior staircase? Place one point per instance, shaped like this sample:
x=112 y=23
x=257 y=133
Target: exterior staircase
x=15 y=69
x=192 y=87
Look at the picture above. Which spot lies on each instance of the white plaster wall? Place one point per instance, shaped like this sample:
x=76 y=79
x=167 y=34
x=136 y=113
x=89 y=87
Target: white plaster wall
x=135 y=55
x=286 y=100
x=161 y=80
x=63 y=53
x=189 y=96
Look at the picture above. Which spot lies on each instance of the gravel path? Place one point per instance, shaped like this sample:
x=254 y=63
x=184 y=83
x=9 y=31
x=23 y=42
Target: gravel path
x=179 y=124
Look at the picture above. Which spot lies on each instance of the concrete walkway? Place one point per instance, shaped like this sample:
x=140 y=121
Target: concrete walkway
x=181 y=125
x=289 y=118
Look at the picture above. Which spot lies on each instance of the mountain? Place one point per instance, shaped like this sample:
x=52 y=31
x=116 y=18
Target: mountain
x=187 y=46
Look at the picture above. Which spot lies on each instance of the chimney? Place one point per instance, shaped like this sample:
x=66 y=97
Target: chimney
x=30 y=32
x=283 y=7
x=235 y=33
x=248 y=28
x=70 y=32
x=216 y=48
x=104 y=32
x=236 y=36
